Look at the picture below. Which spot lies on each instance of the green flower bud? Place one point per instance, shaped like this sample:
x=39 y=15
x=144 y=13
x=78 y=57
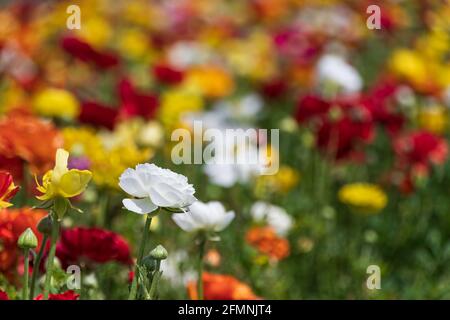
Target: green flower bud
x=27 y=240
x=159 y=253
x=45 y=225
x=149 y=263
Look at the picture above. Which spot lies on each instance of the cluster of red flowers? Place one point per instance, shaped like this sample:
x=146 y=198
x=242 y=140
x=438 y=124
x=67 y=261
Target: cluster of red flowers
x=91 y=245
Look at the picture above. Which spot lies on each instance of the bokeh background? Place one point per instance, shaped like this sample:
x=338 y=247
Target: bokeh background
x=363 y=119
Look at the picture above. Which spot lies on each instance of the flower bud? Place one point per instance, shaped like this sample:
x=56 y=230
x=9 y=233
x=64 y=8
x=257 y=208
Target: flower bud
x=27 y=240
x=45 y=225
x=159 y=253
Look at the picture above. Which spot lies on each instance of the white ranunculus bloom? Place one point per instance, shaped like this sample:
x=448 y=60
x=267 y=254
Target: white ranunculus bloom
x=209 y=216
x=153 y=187
x=333 y=68
x=275 y=216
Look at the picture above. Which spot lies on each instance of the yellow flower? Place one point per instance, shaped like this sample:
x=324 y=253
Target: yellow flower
x=175 y=103
x=62 y=182
x=211 y=81
x=282 y=182
x=433 y=119
x=56 y=103
x=410 y=66
x=109 y=153
x=363 y=197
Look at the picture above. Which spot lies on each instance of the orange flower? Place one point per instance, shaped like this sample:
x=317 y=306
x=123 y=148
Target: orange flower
x=221 y=287
x=30 y=139
x=7 y=189
x=12 y=223
x=268 y=242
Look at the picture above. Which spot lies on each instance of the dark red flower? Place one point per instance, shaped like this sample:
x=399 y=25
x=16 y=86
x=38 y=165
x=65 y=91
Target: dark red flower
x=274 y=88
x=85 y=52
x=91 y=245
x=167 y=74
x=68 y=295
x=3 y=295
x=135 y=104
x=340 y=125
x=379 y=100
x=421 y=148
x=98 y=114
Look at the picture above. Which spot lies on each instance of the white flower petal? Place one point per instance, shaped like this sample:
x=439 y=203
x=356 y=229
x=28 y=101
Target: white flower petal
x=140 y=206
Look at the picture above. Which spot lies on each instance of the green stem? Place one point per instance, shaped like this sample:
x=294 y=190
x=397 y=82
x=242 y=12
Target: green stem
x=134 y=284
x=155 y=280
x=202 y=246
x=51 y=256
x=25 y=274
x=36 y=266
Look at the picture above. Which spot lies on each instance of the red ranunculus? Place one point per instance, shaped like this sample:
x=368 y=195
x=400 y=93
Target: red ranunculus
x=340 y=125
x=85 y=52
x=3 y=295
x=91 y=245
x=68 y=295
x=135 y=104
x=167 y=74
x=98 y=115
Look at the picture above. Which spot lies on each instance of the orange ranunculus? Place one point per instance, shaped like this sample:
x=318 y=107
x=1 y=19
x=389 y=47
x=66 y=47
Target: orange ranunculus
x=30 y=139
x=12 y=223
x=7 y=189
x=268 y=242
x=221 y=287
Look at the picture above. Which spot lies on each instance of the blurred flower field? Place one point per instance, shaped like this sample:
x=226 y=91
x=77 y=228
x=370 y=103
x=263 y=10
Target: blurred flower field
x=87 y=176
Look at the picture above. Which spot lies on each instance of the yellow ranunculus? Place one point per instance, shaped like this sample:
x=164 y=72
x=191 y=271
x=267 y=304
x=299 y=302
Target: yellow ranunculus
x=62 y=182
x=56 y=103
x=363 y=198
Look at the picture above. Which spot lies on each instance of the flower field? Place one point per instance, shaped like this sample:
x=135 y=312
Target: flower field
x=231 y=150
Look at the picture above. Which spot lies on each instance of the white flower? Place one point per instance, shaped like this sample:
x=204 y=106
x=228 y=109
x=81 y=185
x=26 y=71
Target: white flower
x=333 y=68
x=209 y=216
x=275 y=216
x=155 y=187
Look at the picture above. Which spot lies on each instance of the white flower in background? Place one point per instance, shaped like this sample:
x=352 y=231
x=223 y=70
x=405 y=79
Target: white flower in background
x=173 y=269
x=184 y=54
x=275 y=216
x=333 y=68
x=153 y=187
x=210 y=216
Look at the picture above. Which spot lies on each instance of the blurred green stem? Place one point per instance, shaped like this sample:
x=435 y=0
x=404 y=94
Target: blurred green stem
x=36 y=265
x=202 y=246
x=25 y=274
x=134 y=284
x=51 y=255
x=155 y=280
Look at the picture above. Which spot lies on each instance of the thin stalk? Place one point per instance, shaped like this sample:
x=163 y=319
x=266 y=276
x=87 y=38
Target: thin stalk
x=36 y=266
x=51 y=256
x=155 y=280
x=134 y=284
x=202 y=246
x=25 y=274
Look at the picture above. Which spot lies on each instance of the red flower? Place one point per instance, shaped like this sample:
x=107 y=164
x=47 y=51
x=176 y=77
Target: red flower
x=84 y=52
x=98 y=115
x=12 y=223
x=421 y=149
x=340 y=125
x=222 y=287
x=135 y=104
x=91 y=245
x=68 y=295
x=3 y=295
x=274 y=88
x=378 y=101
x=7 y=189
x=167 y=74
